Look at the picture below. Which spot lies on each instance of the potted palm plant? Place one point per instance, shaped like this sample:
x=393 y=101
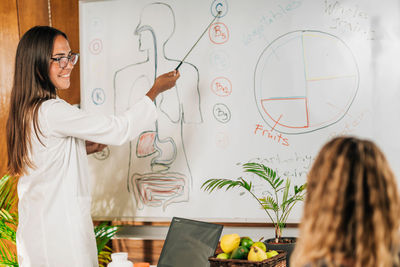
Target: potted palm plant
x=104 y=232
x=9 y=221
x=277 y=205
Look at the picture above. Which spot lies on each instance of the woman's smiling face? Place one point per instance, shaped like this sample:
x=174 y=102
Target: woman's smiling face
x=60 y=77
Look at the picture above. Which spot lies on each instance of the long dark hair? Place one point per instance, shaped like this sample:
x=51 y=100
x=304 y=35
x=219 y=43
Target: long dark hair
x=31 y=87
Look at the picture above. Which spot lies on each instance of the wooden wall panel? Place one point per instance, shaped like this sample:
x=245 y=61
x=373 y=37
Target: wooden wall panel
x=9 y=37
x=32 y=13
x=3 y=146
x=65 y=17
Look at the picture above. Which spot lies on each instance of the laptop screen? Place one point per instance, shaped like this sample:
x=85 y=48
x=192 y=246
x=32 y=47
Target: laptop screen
x=189 y=243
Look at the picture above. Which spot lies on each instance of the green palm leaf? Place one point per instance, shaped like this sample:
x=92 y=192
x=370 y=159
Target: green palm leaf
x=211 y=184
x=285 y=194
x=269 y=203
x=263 y=172
x=104 y=256
x=8 y=221
x=103 y=233
x=8 y=196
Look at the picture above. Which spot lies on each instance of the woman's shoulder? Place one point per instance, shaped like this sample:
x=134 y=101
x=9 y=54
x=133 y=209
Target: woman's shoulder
x=56 y=109
x=54 y=105
x=53 y=101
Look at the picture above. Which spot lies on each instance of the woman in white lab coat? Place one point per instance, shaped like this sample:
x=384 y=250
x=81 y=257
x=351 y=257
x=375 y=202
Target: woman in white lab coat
x=46 y=147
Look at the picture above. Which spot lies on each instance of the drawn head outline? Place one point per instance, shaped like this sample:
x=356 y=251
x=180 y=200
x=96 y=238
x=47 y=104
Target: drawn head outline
x=157 y=20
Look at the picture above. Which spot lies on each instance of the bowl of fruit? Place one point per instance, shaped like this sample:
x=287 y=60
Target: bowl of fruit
x=234 y=250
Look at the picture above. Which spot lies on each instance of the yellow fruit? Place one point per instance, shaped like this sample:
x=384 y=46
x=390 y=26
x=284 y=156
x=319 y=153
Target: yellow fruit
x=272 y=253
x=260 y=245
x=257 y=254
x=230 y=242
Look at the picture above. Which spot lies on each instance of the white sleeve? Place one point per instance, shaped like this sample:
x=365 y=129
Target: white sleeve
x=64 y=120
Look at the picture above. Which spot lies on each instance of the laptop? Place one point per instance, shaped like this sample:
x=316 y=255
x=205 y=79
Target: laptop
x=189 y=243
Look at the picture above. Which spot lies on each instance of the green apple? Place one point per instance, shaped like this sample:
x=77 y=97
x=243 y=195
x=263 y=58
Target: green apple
x=260 y=245
x=223 y=256
x=246 y=242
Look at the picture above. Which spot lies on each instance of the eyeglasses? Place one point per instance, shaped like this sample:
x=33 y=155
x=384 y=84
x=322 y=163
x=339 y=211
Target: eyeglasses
x=63 y=61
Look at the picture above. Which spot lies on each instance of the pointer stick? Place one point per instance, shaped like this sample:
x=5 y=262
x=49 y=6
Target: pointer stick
x=219 y=12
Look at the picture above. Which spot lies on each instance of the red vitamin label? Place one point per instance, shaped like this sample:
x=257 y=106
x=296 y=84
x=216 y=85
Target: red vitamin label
x=221 y=86
x=218 y=33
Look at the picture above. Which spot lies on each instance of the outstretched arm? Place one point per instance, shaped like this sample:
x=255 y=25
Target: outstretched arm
x=163 y=83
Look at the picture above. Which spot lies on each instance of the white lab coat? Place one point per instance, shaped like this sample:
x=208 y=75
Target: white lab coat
x=55 y=227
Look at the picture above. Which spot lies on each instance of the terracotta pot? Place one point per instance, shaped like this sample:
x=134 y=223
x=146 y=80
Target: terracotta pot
x=288 y=247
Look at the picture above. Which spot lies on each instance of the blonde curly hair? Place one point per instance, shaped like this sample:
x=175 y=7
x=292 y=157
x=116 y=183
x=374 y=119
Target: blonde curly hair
x=351 y=212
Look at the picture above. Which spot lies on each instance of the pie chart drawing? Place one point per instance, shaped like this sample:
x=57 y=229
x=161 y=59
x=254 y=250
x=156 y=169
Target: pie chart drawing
x=305 y=81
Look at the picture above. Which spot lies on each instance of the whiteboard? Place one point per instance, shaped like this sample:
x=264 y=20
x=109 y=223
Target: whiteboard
x=270 y=81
